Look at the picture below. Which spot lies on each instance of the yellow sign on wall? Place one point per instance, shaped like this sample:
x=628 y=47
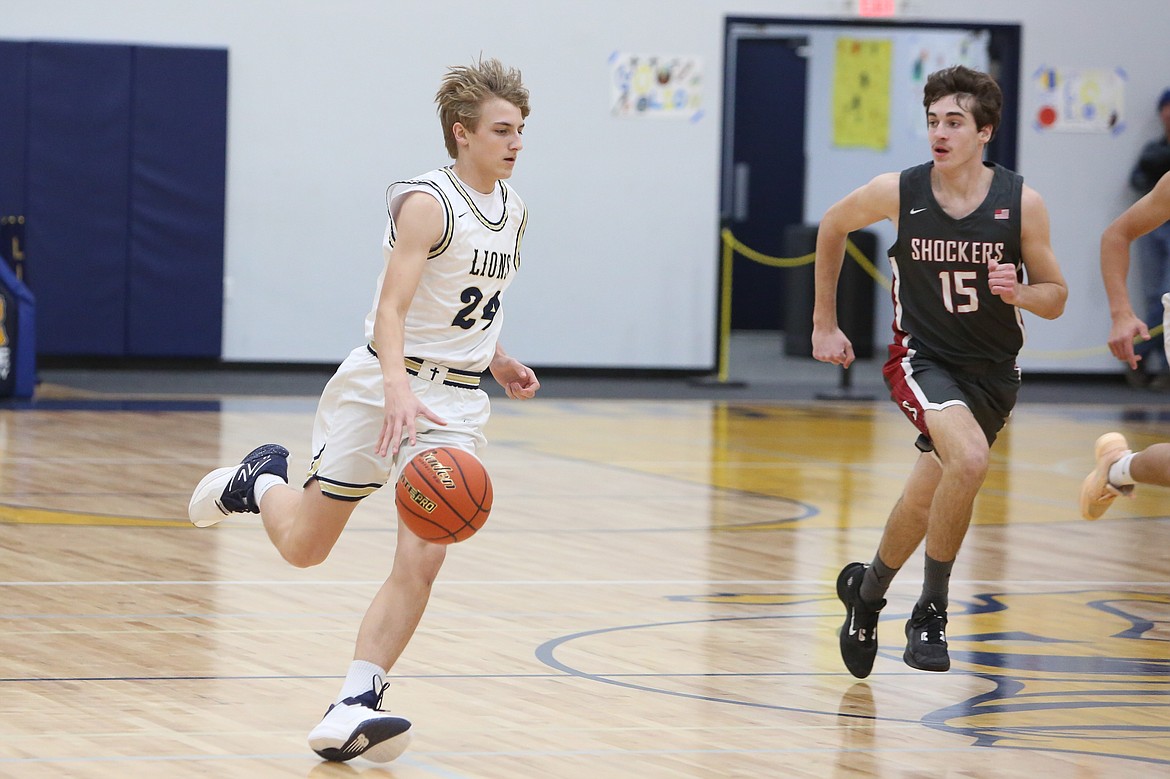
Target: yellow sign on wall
x=861 y=93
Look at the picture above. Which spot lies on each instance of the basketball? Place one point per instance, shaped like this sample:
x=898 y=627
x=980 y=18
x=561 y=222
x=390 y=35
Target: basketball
x=444 y=495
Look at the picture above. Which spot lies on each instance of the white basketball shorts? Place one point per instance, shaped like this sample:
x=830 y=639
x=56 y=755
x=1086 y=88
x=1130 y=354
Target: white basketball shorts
x=349 y=421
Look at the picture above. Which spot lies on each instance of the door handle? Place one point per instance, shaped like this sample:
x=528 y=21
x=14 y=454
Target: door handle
x=739 y=203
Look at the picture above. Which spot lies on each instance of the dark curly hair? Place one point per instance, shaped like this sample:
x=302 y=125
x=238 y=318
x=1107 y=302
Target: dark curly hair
x=974 y=90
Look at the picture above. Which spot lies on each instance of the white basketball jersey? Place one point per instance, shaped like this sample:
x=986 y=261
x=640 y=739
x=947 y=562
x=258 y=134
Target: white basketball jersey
x=457 y=311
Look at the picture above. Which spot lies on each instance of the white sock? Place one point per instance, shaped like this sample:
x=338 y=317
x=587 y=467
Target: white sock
x=1119 y=471
x=361 y=679
x=265 y=482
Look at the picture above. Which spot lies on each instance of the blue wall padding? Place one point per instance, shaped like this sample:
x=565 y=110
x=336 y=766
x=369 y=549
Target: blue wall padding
x=116 y=156
x=177 y=182
x=13 y=129
x=78 y=195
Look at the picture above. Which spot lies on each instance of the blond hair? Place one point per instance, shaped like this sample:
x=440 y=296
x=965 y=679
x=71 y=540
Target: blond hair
x=466 y=88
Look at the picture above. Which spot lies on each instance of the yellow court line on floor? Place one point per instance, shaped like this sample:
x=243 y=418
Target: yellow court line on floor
x=21 y=515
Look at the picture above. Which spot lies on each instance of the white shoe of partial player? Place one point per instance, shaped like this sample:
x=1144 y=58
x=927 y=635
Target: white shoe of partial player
x=1097 y=493
x=357 y=727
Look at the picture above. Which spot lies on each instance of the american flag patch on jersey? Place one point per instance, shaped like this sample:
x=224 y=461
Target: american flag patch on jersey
x=1003 y=213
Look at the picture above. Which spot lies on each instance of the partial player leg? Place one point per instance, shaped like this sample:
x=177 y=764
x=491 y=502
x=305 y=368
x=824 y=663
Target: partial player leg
x=1151 y=465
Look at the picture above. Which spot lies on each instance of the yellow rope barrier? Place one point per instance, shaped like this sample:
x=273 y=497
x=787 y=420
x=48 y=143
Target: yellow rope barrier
x=858 y=256
x=732 y=246
x=1087 y=351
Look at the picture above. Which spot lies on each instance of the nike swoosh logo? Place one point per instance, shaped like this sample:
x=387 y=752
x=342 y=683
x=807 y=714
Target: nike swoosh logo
x=917 y=210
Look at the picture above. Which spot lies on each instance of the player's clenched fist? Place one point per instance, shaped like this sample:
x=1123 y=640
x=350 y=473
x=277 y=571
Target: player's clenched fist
x=1001 y=278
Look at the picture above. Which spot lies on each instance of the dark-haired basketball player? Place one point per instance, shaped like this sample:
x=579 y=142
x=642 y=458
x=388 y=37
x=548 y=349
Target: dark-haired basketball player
x=969 y=234
x=452 y=247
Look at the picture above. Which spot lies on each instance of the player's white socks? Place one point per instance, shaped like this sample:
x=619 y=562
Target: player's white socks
x=359 y=679
x=1119 y=471
x=265 y=482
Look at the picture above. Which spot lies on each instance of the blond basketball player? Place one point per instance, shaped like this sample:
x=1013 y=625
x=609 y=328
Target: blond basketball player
x=452 y=248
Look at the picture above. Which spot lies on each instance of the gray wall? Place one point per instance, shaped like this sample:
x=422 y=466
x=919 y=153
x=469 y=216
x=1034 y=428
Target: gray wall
x=330 y=101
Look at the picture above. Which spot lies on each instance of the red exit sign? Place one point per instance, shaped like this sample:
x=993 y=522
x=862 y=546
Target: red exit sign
x=876 y=7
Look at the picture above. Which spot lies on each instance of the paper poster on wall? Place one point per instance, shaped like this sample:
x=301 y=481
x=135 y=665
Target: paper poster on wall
x=654 y=85
x=1079 y=100
x=861 y=93
x=925 y=53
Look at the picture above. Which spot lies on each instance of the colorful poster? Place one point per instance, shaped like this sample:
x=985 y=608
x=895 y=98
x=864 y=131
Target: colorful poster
x=1088 y=100
x=650 y=85
x=861 y=93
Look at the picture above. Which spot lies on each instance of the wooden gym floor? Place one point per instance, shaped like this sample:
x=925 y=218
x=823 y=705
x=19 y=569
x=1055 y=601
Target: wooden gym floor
x=652 y=597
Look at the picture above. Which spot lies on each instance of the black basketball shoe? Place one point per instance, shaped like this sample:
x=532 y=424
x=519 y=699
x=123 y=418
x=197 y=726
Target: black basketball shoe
x=926 y=639
x=859 y=633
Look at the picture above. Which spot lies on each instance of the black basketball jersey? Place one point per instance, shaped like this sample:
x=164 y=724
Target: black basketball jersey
x=943 y=306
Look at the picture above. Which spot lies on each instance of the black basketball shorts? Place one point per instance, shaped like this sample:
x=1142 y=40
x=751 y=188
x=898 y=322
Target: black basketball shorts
x=919 y=384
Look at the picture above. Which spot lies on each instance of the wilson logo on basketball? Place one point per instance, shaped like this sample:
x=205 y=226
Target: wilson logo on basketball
x=416 y=497
x=442 y=472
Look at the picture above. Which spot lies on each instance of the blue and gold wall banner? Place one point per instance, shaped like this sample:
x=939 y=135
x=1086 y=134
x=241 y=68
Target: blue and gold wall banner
x=861 y=93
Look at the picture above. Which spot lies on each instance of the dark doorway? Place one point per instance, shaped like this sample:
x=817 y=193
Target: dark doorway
x=767 y=172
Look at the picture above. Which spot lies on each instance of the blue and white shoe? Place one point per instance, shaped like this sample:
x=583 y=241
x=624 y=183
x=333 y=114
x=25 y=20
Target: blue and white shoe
x=228 y=490
x=358 y=726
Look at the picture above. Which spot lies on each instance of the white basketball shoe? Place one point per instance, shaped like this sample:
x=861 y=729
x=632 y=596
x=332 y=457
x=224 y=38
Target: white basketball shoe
x=358 y=726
